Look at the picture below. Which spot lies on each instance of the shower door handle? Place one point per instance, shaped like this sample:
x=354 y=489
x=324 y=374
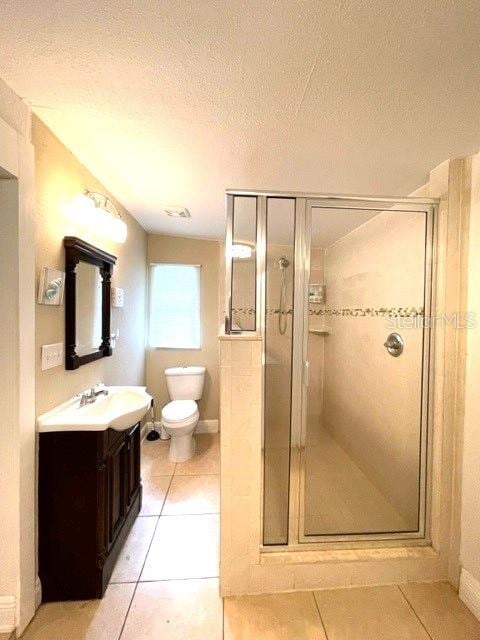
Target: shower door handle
x=306 y=373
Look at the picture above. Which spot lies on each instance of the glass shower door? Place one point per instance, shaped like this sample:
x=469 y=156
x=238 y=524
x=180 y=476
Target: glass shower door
x=278 y=335
x=363 y=453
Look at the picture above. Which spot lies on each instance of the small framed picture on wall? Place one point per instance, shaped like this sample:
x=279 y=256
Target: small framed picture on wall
x=51 y=287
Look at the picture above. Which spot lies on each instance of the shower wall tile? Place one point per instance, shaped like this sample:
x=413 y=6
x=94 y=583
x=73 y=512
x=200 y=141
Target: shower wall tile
x=225 y=352
x=242 y=353
x=240 y=461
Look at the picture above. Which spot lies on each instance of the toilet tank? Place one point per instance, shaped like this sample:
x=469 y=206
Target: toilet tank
x=185 y=383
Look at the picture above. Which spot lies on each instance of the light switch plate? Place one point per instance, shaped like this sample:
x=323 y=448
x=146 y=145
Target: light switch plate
x=52 y=355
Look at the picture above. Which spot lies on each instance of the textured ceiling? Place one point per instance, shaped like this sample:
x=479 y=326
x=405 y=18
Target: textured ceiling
x=172 y=102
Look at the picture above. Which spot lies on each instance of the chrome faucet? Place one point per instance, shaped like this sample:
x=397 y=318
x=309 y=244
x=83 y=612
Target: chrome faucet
x=100 y=389
x=89 y=396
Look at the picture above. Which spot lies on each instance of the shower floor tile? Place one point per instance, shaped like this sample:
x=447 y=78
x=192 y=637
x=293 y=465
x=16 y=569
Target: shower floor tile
x=340 y=498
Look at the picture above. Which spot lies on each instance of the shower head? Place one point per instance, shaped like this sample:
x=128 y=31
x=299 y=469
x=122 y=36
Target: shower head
x=283 y=262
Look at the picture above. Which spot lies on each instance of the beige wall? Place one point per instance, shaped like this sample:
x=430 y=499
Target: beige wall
x=60 y=178
x=176 y=250
x=470 y=536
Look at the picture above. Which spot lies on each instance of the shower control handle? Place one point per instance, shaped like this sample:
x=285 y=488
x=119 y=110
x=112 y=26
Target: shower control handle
x=394 y=344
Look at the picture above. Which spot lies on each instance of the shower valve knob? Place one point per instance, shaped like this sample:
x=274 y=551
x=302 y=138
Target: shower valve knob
x=394 y=344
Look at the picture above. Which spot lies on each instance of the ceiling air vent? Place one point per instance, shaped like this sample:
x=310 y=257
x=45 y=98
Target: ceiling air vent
x=177 y=212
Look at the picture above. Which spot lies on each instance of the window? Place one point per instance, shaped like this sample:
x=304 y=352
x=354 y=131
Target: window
x=174 y=306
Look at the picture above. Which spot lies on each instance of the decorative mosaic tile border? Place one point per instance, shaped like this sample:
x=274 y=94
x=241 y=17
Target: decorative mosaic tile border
x=390 y=312
x=250 y=311
x=370 y=312
x=247 y=311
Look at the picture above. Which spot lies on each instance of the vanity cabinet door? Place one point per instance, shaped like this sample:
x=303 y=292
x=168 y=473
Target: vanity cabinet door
x=117 y=504
x=89 y=497
x=102 y=514
x=133 y=464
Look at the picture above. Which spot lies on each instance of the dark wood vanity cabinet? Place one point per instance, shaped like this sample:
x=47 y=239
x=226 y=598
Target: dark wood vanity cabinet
x=89 y=496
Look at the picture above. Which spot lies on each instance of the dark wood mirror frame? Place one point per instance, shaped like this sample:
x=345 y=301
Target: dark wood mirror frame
x=76 y=251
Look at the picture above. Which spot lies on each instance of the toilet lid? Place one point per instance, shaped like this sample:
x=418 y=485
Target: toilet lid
x=179 y=410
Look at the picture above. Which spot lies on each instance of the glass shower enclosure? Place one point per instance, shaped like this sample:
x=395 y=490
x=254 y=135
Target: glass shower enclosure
x=339 y=288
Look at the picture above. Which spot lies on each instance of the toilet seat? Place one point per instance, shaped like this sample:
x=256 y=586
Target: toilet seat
x=180 y=412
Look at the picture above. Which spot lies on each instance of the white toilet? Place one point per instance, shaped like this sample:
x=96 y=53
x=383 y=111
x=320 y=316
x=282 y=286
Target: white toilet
x=180 y=417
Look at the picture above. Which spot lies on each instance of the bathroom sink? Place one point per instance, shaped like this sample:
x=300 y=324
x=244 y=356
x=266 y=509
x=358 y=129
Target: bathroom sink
x=120 y=409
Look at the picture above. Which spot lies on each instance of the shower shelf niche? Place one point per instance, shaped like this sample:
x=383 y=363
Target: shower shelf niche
x=317 y=293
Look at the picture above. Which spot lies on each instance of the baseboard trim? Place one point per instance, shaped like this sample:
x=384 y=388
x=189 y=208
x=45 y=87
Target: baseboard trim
x=7 y=614
x=207 y=426
x=469 y=592
x=203 y=426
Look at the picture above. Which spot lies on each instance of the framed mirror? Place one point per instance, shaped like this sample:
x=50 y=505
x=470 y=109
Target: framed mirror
x=87 y=302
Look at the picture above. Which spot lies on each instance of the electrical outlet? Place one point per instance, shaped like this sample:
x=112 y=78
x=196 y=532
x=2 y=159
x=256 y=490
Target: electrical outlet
x=52 y=355
x=118 y=296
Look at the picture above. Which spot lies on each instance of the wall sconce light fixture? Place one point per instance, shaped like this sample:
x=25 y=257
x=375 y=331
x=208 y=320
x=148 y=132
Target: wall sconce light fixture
x=97 y=210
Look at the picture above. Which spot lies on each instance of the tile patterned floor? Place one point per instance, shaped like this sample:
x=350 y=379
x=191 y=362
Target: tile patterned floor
x=165 y=583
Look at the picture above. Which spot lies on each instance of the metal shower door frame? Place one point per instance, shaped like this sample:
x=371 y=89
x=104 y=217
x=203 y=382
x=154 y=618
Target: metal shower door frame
x=303 y=232
x=304 y=203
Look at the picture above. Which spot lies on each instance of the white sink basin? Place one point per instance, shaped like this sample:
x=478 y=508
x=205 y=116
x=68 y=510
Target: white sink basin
x=120 y=409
